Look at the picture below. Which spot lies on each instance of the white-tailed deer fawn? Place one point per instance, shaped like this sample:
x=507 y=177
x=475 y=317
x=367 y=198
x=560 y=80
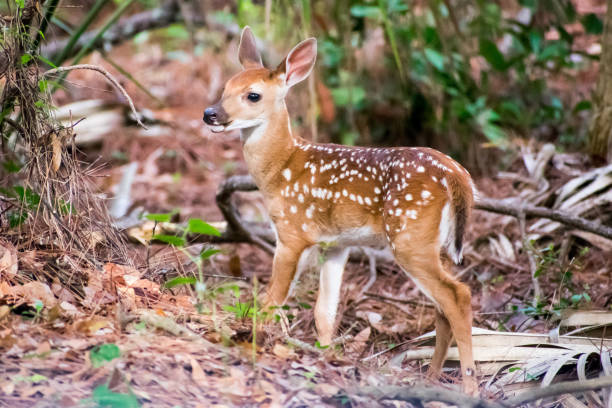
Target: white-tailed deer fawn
x=416 y=201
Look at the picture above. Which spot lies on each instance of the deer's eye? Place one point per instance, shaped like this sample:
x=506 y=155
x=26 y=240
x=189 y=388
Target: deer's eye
x=253 y=97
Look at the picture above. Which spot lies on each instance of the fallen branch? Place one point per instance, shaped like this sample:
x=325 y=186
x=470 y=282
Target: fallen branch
x=421 y=394
x=107 y=75
x=511 y=207
x=125 y=29
x=569 y=387
x=234 y=222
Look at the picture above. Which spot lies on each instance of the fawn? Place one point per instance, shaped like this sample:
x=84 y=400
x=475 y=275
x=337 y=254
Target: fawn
x=416 y=201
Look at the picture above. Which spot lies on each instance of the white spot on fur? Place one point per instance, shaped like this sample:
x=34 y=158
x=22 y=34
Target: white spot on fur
x=287 y=174
x=425 y=194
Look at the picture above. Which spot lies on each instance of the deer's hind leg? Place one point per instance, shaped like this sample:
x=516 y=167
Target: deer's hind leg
x=420 y=259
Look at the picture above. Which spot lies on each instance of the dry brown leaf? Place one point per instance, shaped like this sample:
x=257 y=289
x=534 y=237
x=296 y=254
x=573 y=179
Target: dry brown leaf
x=7 y=387
x=91 y=326
x=43 y=347
x=4 y=311
x=284 y=352
x=8 y=259
x=327 y=390
x=33 y=291
x=359 y=341
x=197 y=374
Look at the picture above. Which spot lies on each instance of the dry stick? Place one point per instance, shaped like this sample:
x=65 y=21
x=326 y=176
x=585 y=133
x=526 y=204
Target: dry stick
x=511 y=207
x=422 y=394
x=569 y=387
x=107 y=75
x=427 y=394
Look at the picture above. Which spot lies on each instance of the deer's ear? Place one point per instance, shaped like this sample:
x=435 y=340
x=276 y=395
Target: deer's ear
x=247 y=50
x=299 y=62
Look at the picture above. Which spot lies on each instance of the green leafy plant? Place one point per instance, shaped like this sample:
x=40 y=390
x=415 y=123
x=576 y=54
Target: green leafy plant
x=194 y=226
x=104 y=397
x=104 y=353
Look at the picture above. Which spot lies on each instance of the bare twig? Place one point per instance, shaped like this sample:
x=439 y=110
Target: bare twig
x=303 y=345
x=511 y=207
x=107 y=75
x=569 y=387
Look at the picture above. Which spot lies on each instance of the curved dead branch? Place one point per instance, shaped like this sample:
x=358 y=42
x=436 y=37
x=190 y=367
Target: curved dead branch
x=107 y=75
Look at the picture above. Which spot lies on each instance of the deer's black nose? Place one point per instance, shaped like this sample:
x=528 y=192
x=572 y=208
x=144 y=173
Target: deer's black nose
x=210 y=116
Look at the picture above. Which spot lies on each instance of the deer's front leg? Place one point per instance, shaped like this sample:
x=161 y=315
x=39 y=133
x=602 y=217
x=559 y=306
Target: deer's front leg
x=284 y=266
x=329 y=293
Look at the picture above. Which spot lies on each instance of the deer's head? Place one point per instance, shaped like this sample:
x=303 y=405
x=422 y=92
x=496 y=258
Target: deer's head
x=256 y=93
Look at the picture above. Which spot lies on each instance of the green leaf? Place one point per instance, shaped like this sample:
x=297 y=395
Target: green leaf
x=25 y=58
x=554 y=50
x=65 y=207
x=17 y=218
x=34 y=378
x=177 y=31
x=43 y=85
x=592 y=24
x=159 y=217
x=363 y=11
x=27 y=196
x=104 y=397
x=491 y=53
x=10 y=166
x=532 y=4
x=197 y=226
x=535 y=41
x=345 y=96
x=304 y=305
x=46 y=61
x=435 y=58
x=169 y=239
x=104 y=353
x=513 y=369
x=582 y=106
x=20 y=3
x=180 y=280
x=209 y=252
x=319 y=346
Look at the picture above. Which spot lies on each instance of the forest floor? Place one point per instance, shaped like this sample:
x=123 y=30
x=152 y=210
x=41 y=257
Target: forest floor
x=172 y=355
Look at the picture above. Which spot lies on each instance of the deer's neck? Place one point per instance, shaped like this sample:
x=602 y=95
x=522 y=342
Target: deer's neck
x=268 y=147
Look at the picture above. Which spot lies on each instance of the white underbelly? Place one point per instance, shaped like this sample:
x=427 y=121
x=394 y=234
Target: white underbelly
x=363 y=236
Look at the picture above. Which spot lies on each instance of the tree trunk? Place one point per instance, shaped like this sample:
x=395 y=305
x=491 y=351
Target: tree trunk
x=600 y=132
